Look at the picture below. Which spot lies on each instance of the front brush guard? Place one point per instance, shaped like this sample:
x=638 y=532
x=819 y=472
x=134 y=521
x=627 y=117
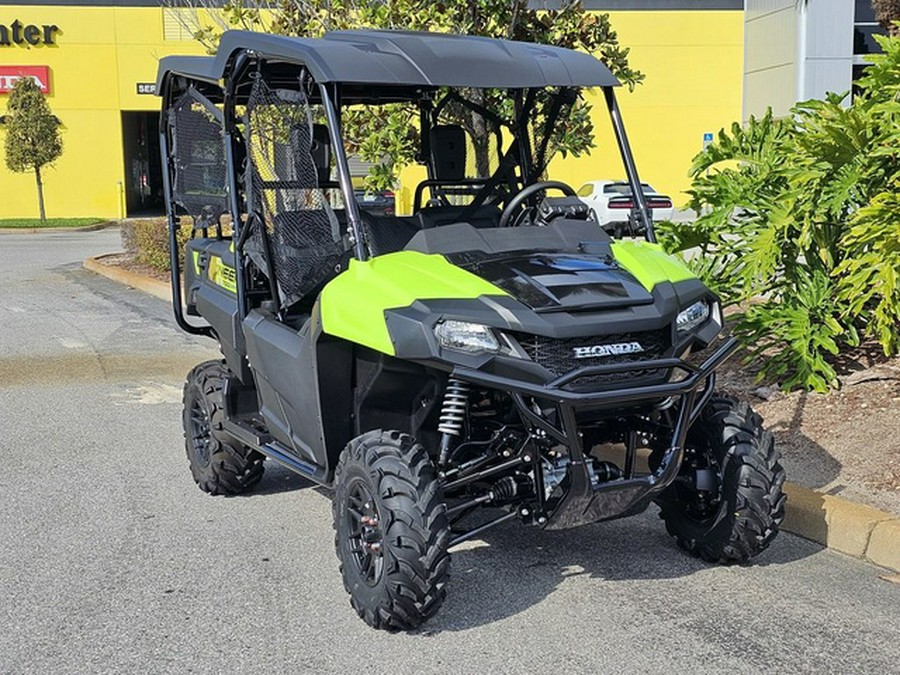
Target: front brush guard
x=583 y=502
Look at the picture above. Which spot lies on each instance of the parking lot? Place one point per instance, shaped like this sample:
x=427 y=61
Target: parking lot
x=111 y=560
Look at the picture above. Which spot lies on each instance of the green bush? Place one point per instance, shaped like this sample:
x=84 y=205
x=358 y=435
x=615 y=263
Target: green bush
x=147 y=241
x=870 y=278
x=802 y=215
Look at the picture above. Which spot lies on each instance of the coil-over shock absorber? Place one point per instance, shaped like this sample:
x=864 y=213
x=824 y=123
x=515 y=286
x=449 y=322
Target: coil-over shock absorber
x=453 y=415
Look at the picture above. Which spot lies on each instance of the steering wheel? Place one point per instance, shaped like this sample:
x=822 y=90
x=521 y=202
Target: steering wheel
x=516 y=202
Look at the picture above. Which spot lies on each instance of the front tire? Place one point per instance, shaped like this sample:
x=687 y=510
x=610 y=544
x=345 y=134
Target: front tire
x=391 y=530
x=218 y=465
x=741 y=516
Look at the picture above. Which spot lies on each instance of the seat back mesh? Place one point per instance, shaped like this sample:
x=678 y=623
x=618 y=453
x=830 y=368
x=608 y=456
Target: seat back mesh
x=284 y=193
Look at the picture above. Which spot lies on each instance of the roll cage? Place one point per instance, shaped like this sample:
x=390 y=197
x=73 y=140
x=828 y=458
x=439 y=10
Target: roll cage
x=367 y=68
x=255 y=134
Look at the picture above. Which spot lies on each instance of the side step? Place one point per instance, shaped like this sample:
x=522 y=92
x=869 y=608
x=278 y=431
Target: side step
x=243 y=432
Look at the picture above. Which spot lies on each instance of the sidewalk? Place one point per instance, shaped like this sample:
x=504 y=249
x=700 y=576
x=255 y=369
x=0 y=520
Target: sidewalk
x=41 y=230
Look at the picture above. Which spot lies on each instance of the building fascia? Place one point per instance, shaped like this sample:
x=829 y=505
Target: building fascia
x=647 y=5
x=600 y=5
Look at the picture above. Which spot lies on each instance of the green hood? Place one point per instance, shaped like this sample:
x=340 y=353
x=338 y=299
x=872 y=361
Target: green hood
x=649 y=264
x=352 y=305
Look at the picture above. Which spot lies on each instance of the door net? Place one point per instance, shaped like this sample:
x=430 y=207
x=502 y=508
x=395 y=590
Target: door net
x=198 y=149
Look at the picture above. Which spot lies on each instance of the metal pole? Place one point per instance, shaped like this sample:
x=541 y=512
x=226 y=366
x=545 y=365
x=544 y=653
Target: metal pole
x=343 y=168
x=234 y=203
x=640 y=210
x=173 y=224
x=478 y=530
x=630 y=449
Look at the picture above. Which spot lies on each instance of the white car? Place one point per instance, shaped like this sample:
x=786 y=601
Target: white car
x=611 y=202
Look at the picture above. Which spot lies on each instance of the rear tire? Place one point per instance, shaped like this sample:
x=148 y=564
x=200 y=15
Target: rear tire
x=391 y=530
x=742 y=517
x=218 y=466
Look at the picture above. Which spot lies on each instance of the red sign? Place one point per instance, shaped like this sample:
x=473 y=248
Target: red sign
x=9 y=75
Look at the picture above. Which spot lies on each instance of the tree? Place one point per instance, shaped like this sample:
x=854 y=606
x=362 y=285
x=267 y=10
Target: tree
x=32 y=133
x=387 y=136
x=887 y=13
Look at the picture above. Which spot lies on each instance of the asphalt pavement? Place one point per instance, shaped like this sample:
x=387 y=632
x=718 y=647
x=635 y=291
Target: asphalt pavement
x=111 y=560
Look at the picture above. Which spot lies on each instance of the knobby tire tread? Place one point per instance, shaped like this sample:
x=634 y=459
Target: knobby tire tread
x=232 y=469
x=753 y=499
x=416 y=534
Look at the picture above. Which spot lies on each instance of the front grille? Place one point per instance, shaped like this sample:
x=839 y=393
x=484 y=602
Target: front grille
x=558 y=355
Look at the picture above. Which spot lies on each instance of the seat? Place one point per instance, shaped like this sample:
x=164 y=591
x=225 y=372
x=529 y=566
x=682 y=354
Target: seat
x=387 y=234
x=306 y=245
x=447 y=160
x=436 y=216
x=320 y=151
x=447 y=143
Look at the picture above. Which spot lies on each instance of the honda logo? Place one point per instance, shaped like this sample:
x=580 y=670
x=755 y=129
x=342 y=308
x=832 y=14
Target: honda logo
x=615 y=349
x=10 y=74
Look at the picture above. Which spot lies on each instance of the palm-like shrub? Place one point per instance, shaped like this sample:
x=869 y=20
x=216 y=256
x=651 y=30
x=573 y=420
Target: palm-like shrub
x=801 y=216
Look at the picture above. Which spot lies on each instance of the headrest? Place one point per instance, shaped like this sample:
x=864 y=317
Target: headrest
x=448 y=152
x=321 y=152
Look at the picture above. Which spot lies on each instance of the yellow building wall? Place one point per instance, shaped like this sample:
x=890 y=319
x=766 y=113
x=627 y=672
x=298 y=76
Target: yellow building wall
x=100 y=54
x=693 y=62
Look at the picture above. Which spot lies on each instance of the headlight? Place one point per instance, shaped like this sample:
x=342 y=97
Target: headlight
x=692 y=317
x=469 y=337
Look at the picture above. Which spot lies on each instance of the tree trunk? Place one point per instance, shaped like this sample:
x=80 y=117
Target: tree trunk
x=480 y=138
x=886 y=13
x=40 y=187
x=482 y=147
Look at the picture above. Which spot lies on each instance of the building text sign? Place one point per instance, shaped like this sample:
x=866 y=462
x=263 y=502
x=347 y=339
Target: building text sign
x=18 y=33
x=9 y=75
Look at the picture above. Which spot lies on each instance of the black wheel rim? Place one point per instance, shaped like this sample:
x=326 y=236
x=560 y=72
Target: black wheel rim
x=365 y=540
x=701 y=506
x=200 y=432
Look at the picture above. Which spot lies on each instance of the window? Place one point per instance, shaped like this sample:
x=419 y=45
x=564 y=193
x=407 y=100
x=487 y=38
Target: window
x=624 y=188
x=859 y=69
x=864 y=27
x=586 y=190
x=864 y=12
x=179 y=23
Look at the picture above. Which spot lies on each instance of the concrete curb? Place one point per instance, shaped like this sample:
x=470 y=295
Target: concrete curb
x=844 y=526
x=141 y=282
x=835 y=523
x=40 y=230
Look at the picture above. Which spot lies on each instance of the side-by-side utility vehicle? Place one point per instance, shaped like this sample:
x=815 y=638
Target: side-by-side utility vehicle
x=495 y=356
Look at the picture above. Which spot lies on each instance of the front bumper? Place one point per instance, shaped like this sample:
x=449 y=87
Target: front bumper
x=582 y=501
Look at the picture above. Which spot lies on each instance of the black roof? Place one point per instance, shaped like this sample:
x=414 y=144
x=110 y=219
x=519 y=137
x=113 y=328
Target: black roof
x=405 y=58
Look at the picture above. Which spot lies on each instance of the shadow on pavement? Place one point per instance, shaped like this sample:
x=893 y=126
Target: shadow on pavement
x=514 y=568
x=806 y=462
x=277 y=479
